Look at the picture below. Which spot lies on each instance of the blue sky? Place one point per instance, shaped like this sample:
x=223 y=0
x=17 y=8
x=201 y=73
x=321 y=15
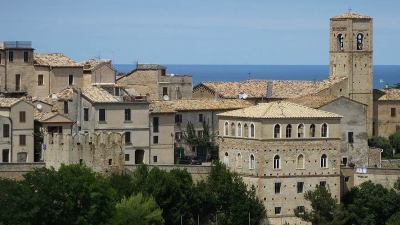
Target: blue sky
x=195 y=31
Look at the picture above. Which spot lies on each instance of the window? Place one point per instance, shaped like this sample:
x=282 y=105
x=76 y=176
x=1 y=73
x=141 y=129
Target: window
x=252 y=130
x=22 y=157
x=300 y=187
x=226 y=159
x=239 y=160
x=200 y=133
x=116 y=91
x=312 y=130
x=344 y=161
x=65 y=107
x=155 y=139
x=300 y=161
x=360 y=40
x=127 y=114
x=252 y=165
x=155 y=158
x=226 y=129
x=201 y=118
x=346 y=179
x=178 y=136
x=22 y=140
x=350 y=137
x=86 y=114
x=71 y=80
x=277 y=188
x=301 y=209
x=322 y=183
x=277 y=162
x=40 y=80
x=393 y=112
x=110 y=162
x=26 y=56
x=127 y=157
x=340 y=40
x=324 y=130
x=324 y=161
x=102 y=115
x=11 y=56
x=288 y=131
x=6 y=130
x=178 y=118
x=278 y=210
x=246 y=130
x=232 y=129
x=0 y=58
x=300 y=131
x=22 y=117
x=239 y=130
x=277 y=131
x=5 y=156
x=128 y=138
x=165 y=91
x=17 y=82
x=155 y=124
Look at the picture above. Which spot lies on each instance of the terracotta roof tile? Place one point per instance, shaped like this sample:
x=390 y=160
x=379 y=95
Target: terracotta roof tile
x=351 y=15
x=197 y=105
x=390 y=94
x=99 y=95
x=93 y=63
x=54 y=59
x=8 y=102
x=279 y=109
x=280 y=89
x=150 y=67
x=65 y=94
x=314 y=101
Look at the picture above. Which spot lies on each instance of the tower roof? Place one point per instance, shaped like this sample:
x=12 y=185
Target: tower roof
x=351 y=15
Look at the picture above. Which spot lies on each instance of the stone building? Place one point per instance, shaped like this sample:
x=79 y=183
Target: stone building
x=98 y=72
x=354 y=137
x=169 y=121
x=283 y=149
x=386 y=111
x=153 y=81
x=16 y=140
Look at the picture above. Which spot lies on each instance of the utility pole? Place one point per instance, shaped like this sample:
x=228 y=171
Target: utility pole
x=181 y=220
x=249 y=218
x=198 y=219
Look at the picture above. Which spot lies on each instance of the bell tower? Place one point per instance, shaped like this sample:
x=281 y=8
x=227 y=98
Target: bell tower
x=351 y=57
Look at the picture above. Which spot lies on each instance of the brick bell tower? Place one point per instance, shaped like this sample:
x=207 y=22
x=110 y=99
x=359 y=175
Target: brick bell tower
x=351 y=56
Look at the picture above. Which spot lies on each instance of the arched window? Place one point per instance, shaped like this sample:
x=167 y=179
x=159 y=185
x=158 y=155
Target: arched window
x=288 y=131
x=277 y=162
x=277 y=131
x=233 y=130
x=252 y=162
x=226 y=129
x=252 y=130
x=239 y=130
x=324 y=130
x=246 y=130
x=340 y=40
x=324 y=161
x=312 y=130
x=239 y=160
x=360 y=40
x=226 y=159
x=300 y=131
x=300 y=162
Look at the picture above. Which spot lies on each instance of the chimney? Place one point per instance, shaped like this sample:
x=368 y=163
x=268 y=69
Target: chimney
x=269 y=89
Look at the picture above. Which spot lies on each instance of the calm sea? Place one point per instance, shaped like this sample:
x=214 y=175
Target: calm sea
x=383 y=74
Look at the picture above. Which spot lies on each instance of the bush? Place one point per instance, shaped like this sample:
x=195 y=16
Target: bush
x=383 y=143
x=395 y=141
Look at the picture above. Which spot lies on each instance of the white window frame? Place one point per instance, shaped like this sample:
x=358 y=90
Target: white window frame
x=252 y=163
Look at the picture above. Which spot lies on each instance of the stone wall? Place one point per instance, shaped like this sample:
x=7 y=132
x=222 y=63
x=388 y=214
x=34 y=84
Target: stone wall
x=17 y=170
x=391 y=163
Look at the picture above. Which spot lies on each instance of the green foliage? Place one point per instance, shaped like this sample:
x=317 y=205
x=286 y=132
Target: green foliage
x=383 y=143
x=322 y=204
x=207 y=140
x=137 y=210
x=372 y=204
x=394 y=219
x=395 y=141
x=122 y=184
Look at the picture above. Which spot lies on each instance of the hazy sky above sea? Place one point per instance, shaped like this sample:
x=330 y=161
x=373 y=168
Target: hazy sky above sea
x=195 y=31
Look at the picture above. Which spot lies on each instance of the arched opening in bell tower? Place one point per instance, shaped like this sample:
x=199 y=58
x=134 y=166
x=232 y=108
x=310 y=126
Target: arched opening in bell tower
x=360 y=40
x=340 y=41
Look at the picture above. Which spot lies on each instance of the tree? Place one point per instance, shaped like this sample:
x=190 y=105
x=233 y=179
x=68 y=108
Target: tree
x=122 y=184
x=137 y=210
x=383 y=143
x=395 y=141
x=372 y=204
x=205 y=142
x=322 y=204
x=394 y=219
x=72 y=195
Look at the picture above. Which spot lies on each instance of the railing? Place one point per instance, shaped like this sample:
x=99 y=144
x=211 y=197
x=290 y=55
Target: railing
x=17 y=44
